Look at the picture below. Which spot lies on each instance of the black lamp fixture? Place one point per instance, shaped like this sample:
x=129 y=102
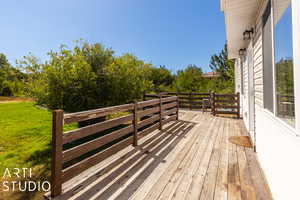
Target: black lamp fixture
x=248 y=33
x=242 y=52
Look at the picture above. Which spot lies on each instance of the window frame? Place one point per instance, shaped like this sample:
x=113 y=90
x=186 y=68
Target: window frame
x=296 y=66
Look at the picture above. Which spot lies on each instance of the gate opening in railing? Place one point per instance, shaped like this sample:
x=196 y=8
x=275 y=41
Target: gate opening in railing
x=77 y=150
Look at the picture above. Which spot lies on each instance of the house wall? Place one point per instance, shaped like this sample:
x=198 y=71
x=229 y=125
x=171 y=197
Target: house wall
x=277 y=144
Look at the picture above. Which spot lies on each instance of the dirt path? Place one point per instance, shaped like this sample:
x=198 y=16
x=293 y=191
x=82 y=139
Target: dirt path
x=14 y=99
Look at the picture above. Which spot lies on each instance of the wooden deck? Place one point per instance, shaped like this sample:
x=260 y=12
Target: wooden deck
x=191 y=159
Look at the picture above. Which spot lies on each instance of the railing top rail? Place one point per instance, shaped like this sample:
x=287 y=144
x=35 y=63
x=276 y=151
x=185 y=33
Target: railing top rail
x=91 y=114
x=100 y=112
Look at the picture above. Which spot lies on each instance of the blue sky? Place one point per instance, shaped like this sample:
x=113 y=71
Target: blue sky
x=283 y=36
x=174 y=33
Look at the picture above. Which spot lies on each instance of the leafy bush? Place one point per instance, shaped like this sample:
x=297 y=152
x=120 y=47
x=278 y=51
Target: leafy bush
x=86 y=77
x=11 y=79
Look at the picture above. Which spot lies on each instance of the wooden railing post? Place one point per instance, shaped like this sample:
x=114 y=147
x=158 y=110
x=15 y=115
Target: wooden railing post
x=177 y=112
x=134 y=122
x=160 y=112
x=57 y=147
x=190 y=100
x=213 y=104
x=238 y=105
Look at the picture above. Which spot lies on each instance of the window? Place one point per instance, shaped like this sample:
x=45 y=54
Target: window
x=268 y=59
x=283 y=47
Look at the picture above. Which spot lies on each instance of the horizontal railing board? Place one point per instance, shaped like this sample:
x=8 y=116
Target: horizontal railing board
x=148 y=130
x=165 y=98
x=169 y=105
x=187 y=93
x=148 y=121
x=148 y=111
x=226 y=95
x=148 y=103
x=95 y=128
x=79 y=150
x=81 y=166
x=168 y=112
x=169 y=99
x=226 y=106
x=92 y=114
x=225 y=101
x=184 y=102
x=226 y=112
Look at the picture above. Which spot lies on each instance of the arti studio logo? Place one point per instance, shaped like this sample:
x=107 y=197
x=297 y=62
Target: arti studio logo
x=12 y=177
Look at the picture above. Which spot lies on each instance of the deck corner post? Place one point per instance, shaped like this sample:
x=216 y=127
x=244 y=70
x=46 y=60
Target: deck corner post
x=238 y=105
x=160 y=112
x=134 y=121
x=57 y=147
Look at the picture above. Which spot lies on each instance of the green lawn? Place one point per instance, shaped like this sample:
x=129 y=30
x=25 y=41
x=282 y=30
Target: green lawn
x=25 y=135
x=25 y=141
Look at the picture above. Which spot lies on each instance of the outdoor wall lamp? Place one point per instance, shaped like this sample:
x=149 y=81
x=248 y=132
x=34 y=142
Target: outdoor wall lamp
x=248 y=33
x=242 y=52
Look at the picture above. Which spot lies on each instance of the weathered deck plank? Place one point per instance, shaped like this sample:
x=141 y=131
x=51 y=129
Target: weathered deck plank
x=189 y=159
x=222 y=178
x=234 y=186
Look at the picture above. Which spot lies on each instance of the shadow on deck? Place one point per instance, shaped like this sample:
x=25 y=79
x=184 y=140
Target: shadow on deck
x=190 y=159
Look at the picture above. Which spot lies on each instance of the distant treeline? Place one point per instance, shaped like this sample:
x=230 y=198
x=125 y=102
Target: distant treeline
x=91 y=76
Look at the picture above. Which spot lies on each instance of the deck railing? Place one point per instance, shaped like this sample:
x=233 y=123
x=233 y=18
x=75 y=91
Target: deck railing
x=140 y=119
x=286 y=105
x=226 y=104
x=216 y=103
x=187 y=100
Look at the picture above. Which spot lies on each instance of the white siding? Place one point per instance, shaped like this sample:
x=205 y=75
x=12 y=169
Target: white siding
x=258 y=64
x=276 y=142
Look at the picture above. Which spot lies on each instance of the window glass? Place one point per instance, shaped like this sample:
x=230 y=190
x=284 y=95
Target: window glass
x=268 y=59
x=285 y=101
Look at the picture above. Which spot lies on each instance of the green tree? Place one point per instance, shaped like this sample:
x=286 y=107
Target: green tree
x=11 y=79
x=85 y=77
x=190 y=80
x=127 y=79
x=225 y=68
x=161 y=78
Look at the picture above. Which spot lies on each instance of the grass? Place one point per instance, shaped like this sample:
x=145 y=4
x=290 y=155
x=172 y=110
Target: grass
x=25 y=141
x=25 y=138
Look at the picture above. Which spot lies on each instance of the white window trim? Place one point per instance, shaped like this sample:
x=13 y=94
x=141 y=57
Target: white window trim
x=296 y=58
